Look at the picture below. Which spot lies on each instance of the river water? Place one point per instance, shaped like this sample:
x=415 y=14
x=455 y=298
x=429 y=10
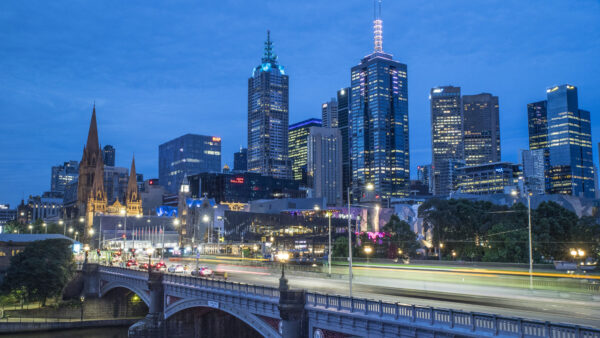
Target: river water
x=103 y=332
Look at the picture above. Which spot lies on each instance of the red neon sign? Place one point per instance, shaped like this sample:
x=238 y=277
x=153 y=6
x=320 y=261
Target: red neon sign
x=237 y=180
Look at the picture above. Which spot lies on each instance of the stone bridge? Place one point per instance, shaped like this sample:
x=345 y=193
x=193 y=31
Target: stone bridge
x=281 y=312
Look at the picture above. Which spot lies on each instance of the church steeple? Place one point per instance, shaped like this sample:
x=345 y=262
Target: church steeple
x=132 y=199
x=92 y=155
x=92 y=144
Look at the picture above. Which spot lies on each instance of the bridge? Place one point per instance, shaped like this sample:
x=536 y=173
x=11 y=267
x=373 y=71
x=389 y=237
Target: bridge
x=175 y=300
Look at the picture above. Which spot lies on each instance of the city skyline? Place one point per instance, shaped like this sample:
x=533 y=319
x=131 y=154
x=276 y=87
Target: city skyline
x=159 y=106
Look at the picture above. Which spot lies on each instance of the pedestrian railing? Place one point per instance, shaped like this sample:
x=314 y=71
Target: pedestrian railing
x=479 y=324
x=209 y=283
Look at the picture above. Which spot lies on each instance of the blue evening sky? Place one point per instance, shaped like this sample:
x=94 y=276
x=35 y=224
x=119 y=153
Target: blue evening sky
x=160 y=69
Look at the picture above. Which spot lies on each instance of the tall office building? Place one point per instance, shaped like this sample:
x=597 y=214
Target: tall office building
x=329 y=113
x=481 y=127
x=569 y=144
x=379 y=122
x=424 y=176
x=63 y=175
x=186 y=155
x=343 y=113
x=298 y=145
x=324 y=164
x=537 y=118
x=240 y=160
x=108 y=155
x=534 y=170
x=268 y=117
x=446 y=137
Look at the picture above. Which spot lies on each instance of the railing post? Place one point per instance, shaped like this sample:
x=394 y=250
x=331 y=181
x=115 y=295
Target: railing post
x=414 y=313
x=451 y=318
x=495 y=325
x=380 y=308
x=472 y=322
x=351 y=304
x=339 y=302
x=547 y=328
x=397 y=311
x=431 y=315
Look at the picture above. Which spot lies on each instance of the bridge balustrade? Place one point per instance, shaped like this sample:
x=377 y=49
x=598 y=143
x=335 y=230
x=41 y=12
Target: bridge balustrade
x=477 y=323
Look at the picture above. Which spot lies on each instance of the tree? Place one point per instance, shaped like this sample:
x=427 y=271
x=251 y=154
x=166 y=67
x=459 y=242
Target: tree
x=402 y=237
x=340 y=247
x=41 y=270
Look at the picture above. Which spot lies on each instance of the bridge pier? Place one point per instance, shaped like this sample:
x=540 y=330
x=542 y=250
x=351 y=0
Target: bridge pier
x=153 y=325
x=291 y=310
x=91 y=282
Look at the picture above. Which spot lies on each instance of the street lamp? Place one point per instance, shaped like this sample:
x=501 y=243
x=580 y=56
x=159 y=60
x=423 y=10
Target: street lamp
x=149 y=251
x=45 y=227
x=206 y=219
x=370 y=187
x=283 y=257
x=440 y=253
x=76 y=233
x=61 y=222
x=30 y=229
x=123 y=212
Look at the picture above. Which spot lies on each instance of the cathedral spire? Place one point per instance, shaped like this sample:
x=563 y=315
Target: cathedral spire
x=92 y=144
x=132 y=199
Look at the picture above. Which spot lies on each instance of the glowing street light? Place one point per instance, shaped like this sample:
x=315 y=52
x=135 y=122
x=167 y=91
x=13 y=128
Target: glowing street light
x=370 y=187
x=45 y=227
x=30 y=229
x=368 y=250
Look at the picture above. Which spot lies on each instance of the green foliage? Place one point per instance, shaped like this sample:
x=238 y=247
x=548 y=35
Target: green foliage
x=340 y=247
x=484 y=231
x=41 y=270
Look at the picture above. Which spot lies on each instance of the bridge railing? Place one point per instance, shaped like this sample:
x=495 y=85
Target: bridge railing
x=209 y=283
x=478 y=323
x=115 y=270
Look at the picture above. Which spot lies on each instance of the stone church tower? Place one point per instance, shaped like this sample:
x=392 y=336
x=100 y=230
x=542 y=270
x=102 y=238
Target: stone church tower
x=132 y=198
x=92 y=154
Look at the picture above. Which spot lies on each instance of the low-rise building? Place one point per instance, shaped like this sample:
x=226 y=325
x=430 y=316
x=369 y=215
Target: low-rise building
x=490 y=178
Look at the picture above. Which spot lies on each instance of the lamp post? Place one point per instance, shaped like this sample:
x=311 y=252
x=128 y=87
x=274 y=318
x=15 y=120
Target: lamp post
x=30 y=229
x=440 y=253
x=76 y=234
x=329 y=250
x=283 y=257
x=124 y=213
x=61 y=222
x=206 y=219
x=149 y=251
x=577 y=254
x=369 y=187
x=45 y=227
x=515 y=193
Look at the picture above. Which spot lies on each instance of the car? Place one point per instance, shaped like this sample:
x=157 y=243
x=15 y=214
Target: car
x=202 y=271
x=176 y=268
x=143 y=266
x=160 y=266
x=131 y=263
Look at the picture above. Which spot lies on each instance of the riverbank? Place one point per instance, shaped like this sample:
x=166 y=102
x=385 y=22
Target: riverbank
x=102 y=332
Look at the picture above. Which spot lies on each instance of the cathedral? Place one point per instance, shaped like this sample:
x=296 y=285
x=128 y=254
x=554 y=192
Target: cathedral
x=91 y=194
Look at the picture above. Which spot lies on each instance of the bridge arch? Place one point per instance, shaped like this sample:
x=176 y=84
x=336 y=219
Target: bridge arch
x=250 y=319
x=143 y=294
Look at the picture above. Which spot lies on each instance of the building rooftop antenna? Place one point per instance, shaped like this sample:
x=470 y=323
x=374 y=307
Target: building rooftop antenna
x=377 y=27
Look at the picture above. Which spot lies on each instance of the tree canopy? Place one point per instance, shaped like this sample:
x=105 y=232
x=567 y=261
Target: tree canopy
x=484 y=231
x=41 y=270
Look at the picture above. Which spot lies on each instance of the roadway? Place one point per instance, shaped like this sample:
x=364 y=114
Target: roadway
x=557 y=299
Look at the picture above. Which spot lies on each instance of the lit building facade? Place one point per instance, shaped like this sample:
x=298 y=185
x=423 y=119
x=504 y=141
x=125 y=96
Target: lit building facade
x=268 y=117
x=343 y=114
x=62 y=175
x=446 y=137
x=379 y=123
x=481 y=125
x=491 y=178
x=186 y=155
x=324 y=164
x=424 y=176
x=298 y=148
x=329 y=113
x=569 y=144
x=537 y=118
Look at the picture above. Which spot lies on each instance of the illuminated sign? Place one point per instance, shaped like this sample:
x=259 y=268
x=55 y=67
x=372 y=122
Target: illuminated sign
x=237 y=180
x=153 y=181
x=216 y=139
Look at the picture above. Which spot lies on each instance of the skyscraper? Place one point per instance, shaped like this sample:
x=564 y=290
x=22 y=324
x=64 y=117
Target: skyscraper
x=186 y=155
x=343 y=113
x=537 y=117
x=324 y=163
x=569 y=144
x=268 y=117
x=298 y=148
x=481 y=127
x=534 y=170
x=63 y=175
x=240 y=160
x=108 y=155
x=446 y=137
x=329 y=113
x=424 y=176
x=379 y=122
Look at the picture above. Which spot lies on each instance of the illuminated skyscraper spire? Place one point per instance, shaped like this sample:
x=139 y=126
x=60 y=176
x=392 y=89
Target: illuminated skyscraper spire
x=269 y=56
x=377 y=27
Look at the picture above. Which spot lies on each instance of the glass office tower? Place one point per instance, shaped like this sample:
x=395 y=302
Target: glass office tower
x=186 y=155
x=343 y=114
x=481 y=126
x=298 y=148
x=446 y=137
x=379 y=123
x=268 y=117
x=569 y=144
